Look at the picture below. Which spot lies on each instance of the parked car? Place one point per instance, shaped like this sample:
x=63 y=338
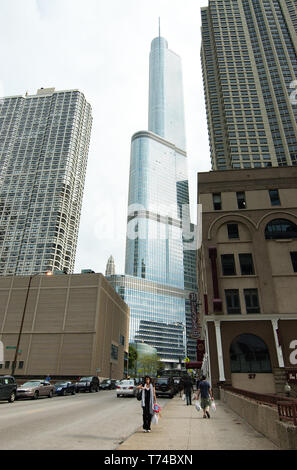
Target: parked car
x=35 y=389
x=64 y=388
x=165 y=386
x=127 y=388
x=88 y=384
x=8 y=388
x=108 y=384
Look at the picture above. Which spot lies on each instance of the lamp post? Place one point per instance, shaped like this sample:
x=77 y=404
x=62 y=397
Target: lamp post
x=48 y=273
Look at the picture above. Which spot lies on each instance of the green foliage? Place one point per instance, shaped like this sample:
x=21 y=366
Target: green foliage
x=150 y=364
x=133 y=355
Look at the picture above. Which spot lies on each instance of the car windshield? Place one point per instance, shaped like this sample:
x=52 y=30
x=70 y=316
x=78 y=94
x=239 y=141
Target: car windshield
x=127 y=382
x=59 y=384
x=31 y=384
x=162 y=381
x=105 y=382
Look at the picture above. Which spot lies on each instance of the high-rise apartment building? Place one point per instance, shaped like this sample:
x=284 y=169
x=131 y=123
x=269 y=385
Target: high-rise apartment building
x=160 y=270
x=249 y=60
x=44 y=142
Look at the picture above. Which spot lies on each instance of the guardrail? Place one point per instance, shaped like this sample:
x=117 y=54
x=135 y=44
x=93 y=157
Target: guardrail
x=287 y=411
x=271 y=400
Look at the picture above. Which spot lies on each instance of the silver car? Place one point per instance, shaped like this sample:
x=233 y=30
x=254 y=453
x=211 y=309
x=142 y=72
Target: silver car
x=35 y=389
x=126 y=388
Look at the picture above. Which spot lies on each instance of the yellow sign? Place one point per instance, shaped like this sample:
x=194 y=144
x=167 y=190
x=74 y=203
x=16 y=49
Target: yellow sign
x=187 y=359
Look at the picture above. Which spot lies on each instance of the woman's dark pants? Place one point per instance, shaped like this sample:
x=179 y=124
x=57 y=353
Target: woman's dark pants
x=147 y=418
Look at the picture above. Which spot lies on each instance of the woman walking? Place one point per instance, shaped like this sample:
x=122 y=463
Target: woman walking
x=148 y=400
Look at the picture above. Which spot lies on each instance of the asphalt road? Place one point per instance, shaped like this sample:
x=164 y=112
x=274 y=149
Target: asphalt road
x=85 y=421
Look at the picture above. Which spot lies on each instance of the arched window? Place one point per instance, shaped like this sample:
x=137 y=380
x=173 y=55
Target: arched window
x=249 y=353
x=280 y=229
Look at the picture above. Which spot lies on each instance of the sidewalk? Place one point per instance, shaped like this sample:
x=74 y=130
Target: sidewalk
x=181 y=427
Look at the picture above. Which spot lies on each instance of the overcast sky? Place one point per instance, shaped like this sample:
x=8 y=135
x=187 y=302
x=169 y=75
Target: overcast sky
x=101 y=47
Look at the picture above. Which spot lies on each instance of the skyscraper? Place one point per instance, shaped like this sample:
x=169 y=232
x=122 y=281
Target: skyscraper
x=110 y=267
x=160 y=251
x=249 y=60
x=44 y=142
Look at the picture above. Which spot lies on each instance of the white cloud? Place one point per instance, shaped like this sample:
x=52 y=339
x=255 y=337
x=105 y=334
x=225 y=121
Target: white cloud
x=102 y=47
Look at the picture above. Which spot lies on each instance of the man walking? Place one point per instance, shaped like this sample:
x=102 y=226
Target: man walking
x=206 y=395
x=188 y=388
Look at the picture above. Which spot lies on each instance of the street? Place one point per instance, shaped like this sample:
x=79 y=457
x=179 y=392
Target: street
x=85 y=421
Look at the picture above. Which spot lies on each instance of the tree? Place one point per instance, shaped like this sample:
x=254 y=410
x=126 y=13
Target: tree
x=133 y=355
x=150 y=364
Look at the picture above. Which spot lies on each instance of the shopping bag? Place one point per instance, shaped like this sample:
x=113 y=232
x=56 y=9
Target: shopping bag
x=213 y=406
x=155 y=418
x=183 y=397
x=197 y=406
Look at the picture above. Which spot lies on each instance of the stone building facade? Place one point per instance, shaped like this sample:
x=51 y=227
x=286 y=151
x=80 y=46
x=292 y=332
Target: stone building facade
x=247 y=268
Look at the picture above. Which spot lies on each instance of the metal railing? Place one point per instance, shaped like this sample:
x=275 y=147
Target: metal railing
x=267 y=399
x=287 y=411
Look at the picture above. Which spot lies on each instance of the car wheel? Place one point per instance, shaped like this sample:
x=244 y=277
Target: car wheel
x=12 y=397
x=63 y=393
x=35 y=396
x=118 y=396
x=50 y=395
x=73 y=392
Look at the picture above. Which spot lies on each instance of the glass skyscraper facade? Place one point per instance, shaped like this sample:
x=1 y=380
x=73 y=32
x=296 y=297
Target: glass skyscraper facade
x=44 y=143
x=160 y=270
x=249 y=60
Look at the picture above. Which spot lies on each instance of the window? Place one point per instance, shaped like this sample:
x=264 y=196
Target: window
x=246 y=264
x=114 y=352
x=294 y=260
x=122 y=340
x=7 y=364
x=241 y=200
x=217 y=202
x=252 y=300
x=274 y=197
x=232 y=231
x=21 y=364
x=232 y=301
x=228 y=265
x=280 y=229
x=249 y=353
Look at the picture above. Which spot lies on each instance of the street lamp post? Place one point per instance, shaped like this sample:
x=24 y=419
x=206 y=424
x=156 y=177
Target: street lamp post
x=49 y=273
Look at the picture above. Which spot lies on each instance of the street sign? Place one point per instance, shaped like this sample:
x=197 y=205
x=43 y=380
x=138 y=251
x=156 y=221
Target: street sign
x=187 y=359
x=13 y=347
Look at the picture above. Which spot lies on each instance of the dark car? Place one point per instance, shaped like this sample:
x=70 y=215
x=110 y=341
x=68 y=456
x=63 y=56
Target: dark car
x=88 y=384
x=108 y=384
x=8 y=388
x=165 y=387
x=65 y=388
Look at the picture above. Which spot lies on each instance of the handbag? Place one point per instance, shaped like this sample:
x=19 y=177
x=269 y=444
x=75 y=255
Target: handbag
x=139 y=395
